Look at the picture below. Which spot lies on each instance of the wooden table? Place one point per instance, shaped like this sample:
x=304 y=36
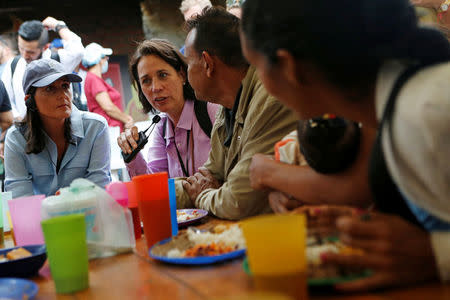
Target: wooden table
x=136 y=276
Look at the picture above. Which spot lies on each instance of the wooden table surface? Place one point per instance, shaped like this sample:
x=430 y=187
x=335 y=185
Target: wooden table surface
x=136 y=276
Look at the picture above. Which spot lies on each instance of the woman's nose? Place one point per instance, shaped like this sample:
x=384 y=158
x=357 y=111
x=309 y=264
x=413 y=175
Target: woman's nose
x=156 y=86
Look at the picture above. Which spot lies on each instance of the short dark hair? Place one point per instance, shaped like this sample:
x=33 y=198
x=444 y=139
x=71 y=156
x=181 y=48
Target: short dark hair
x=34 y=31
x=349 y=42
x=167 y=52
x=9 y=40
x=218 y=34
x=32 y=128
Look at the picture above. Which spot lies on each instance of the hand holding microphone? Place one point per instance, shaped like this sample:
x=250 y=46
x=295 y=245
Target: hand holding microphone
x=128 y=138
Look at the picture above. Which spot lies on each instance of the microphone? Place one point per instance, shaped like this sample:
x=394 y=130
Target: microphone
x=143 y=139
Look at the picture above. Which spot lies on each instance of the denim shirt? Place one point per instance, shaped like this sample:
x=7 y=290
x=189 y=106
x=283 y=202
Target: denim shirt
x=88 y=157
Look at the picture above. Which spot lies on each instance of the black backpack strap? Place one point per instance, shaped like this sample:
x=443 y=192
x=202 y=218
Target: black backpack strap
x=201 y=113
x=387 y=197
x=14 y=64
x=55 y=56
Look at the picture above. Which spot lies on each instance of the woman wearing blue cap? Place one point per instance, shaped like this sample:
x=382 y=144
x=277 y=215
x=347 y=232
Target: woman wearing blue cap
x=55 y=143
x=370 y=62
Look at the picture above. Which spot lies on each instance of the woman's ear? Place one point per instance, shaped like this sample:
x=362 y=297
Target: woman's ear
x=182 y=73
x=289 y=67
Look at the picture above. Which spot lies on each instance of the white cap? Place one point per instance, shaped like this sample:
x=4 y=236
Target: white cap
x=93 y=53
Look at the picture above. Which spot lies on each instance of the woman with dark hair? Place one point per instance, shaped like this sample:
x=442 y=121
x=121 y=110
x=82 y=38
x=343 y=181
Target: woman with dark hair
x=180 y=144
x=55 y=143
x=370 y=62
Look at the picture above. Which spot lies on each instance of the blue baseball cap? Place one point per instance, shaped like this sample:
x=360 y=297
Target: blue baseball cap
x=43 y=72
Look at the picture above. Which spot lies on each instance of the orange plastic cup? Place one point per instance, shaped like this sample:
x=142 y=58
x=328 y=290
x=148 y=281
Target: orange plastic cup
x=152 y=193
x=133 y=206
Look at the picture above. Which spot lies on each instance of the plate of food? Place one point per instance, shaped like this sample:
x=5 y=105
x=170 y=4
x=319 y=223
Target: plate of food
x=189 y=216
x=16 y=288
x=22 y=261
x=201 y=247
x=319 y=274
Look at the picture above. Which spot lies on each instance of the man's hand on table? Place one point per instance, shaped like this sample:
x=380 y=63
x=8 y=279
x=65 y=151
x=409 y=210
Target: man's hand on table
x=199 y=182
x=397 y=252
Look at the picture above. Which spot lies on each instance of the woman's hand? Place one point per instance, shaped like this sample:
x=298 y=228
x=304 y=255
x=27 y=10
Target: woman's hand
x=397 y=252
x=127 y=140
x=258 y=170
x=428 y=3
x=129 y=124
x=282 y=203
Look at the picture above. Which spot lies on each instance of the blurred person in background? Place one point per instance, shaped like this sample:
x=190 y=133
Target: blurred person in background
x=189 y=8
x=385 y=75
x=55 y=143
x=6 y=120
x=7 y=50
x=180 y=142
x=33 y=44
x=102 y=98
x=234 y=7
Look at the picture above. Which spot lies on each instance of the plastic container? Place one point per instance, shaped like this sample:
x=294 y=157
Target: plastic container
x=80 y=200
x=118 y=190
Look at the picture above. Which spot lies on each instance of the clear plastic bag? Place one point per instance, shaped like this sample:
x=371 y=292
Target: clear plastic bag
x=109 y=227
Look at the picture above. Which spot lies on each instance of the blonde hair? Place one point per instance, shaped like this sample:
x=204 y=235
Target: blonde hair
x=186 y=4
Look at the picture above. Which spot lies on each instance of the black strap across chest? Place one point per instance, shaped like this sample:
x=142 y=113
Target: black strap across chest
x=386 y=194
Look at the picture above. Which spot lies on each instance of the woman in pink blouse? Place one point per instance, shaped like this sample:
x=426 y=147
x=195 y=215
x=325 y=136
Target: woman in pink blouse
x=179 y=144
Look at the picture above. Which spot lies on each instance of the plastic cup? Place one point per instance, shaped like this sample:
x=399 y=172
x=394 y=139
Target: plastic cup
x=26 y=219
x=133 y=206
x=276 y=253
x=173 y=206
x=119 y=192
x=1 y=221
x=152 y=193
x=65 y=239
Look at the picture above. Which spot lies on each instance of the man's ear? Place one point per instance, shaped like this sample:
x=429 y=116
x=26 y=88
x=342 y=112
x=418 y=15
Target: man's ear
x=208 y=63
x=289 y=67
x=27 y=97
x=45 y=47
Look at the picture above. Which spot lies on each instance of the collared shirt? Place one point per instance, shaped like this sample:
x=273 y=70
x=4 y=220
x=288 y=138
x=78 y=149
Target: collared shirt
x=88 y=157
x=230 y=118
x=70 y=56
x=417 y=150
x=260 y=122
x=162 y=154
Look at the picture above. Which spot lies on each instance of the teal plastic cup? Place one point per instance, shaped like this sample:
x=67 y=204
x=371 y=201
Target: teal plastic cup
x=65 y=239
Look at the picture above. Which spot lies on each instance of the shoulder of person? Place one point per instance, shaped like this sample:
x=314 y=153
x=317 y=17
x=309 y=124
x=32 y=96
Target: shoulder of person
x=15 y=135
x=93 y=118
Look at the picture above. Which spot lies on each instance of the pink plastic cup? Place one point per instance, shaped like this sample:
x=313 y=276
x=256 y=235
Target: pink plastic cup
x=26 y=219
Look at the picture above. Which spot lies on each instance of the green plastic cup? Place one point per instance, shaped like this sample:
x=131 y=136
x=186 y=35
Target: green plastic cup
x=65 y=239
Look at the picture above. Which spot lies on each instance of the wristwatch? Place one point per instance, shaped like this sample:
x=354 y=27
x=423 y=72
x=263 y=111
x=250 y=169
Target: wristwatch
x=60 y=25
x=444 y=6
